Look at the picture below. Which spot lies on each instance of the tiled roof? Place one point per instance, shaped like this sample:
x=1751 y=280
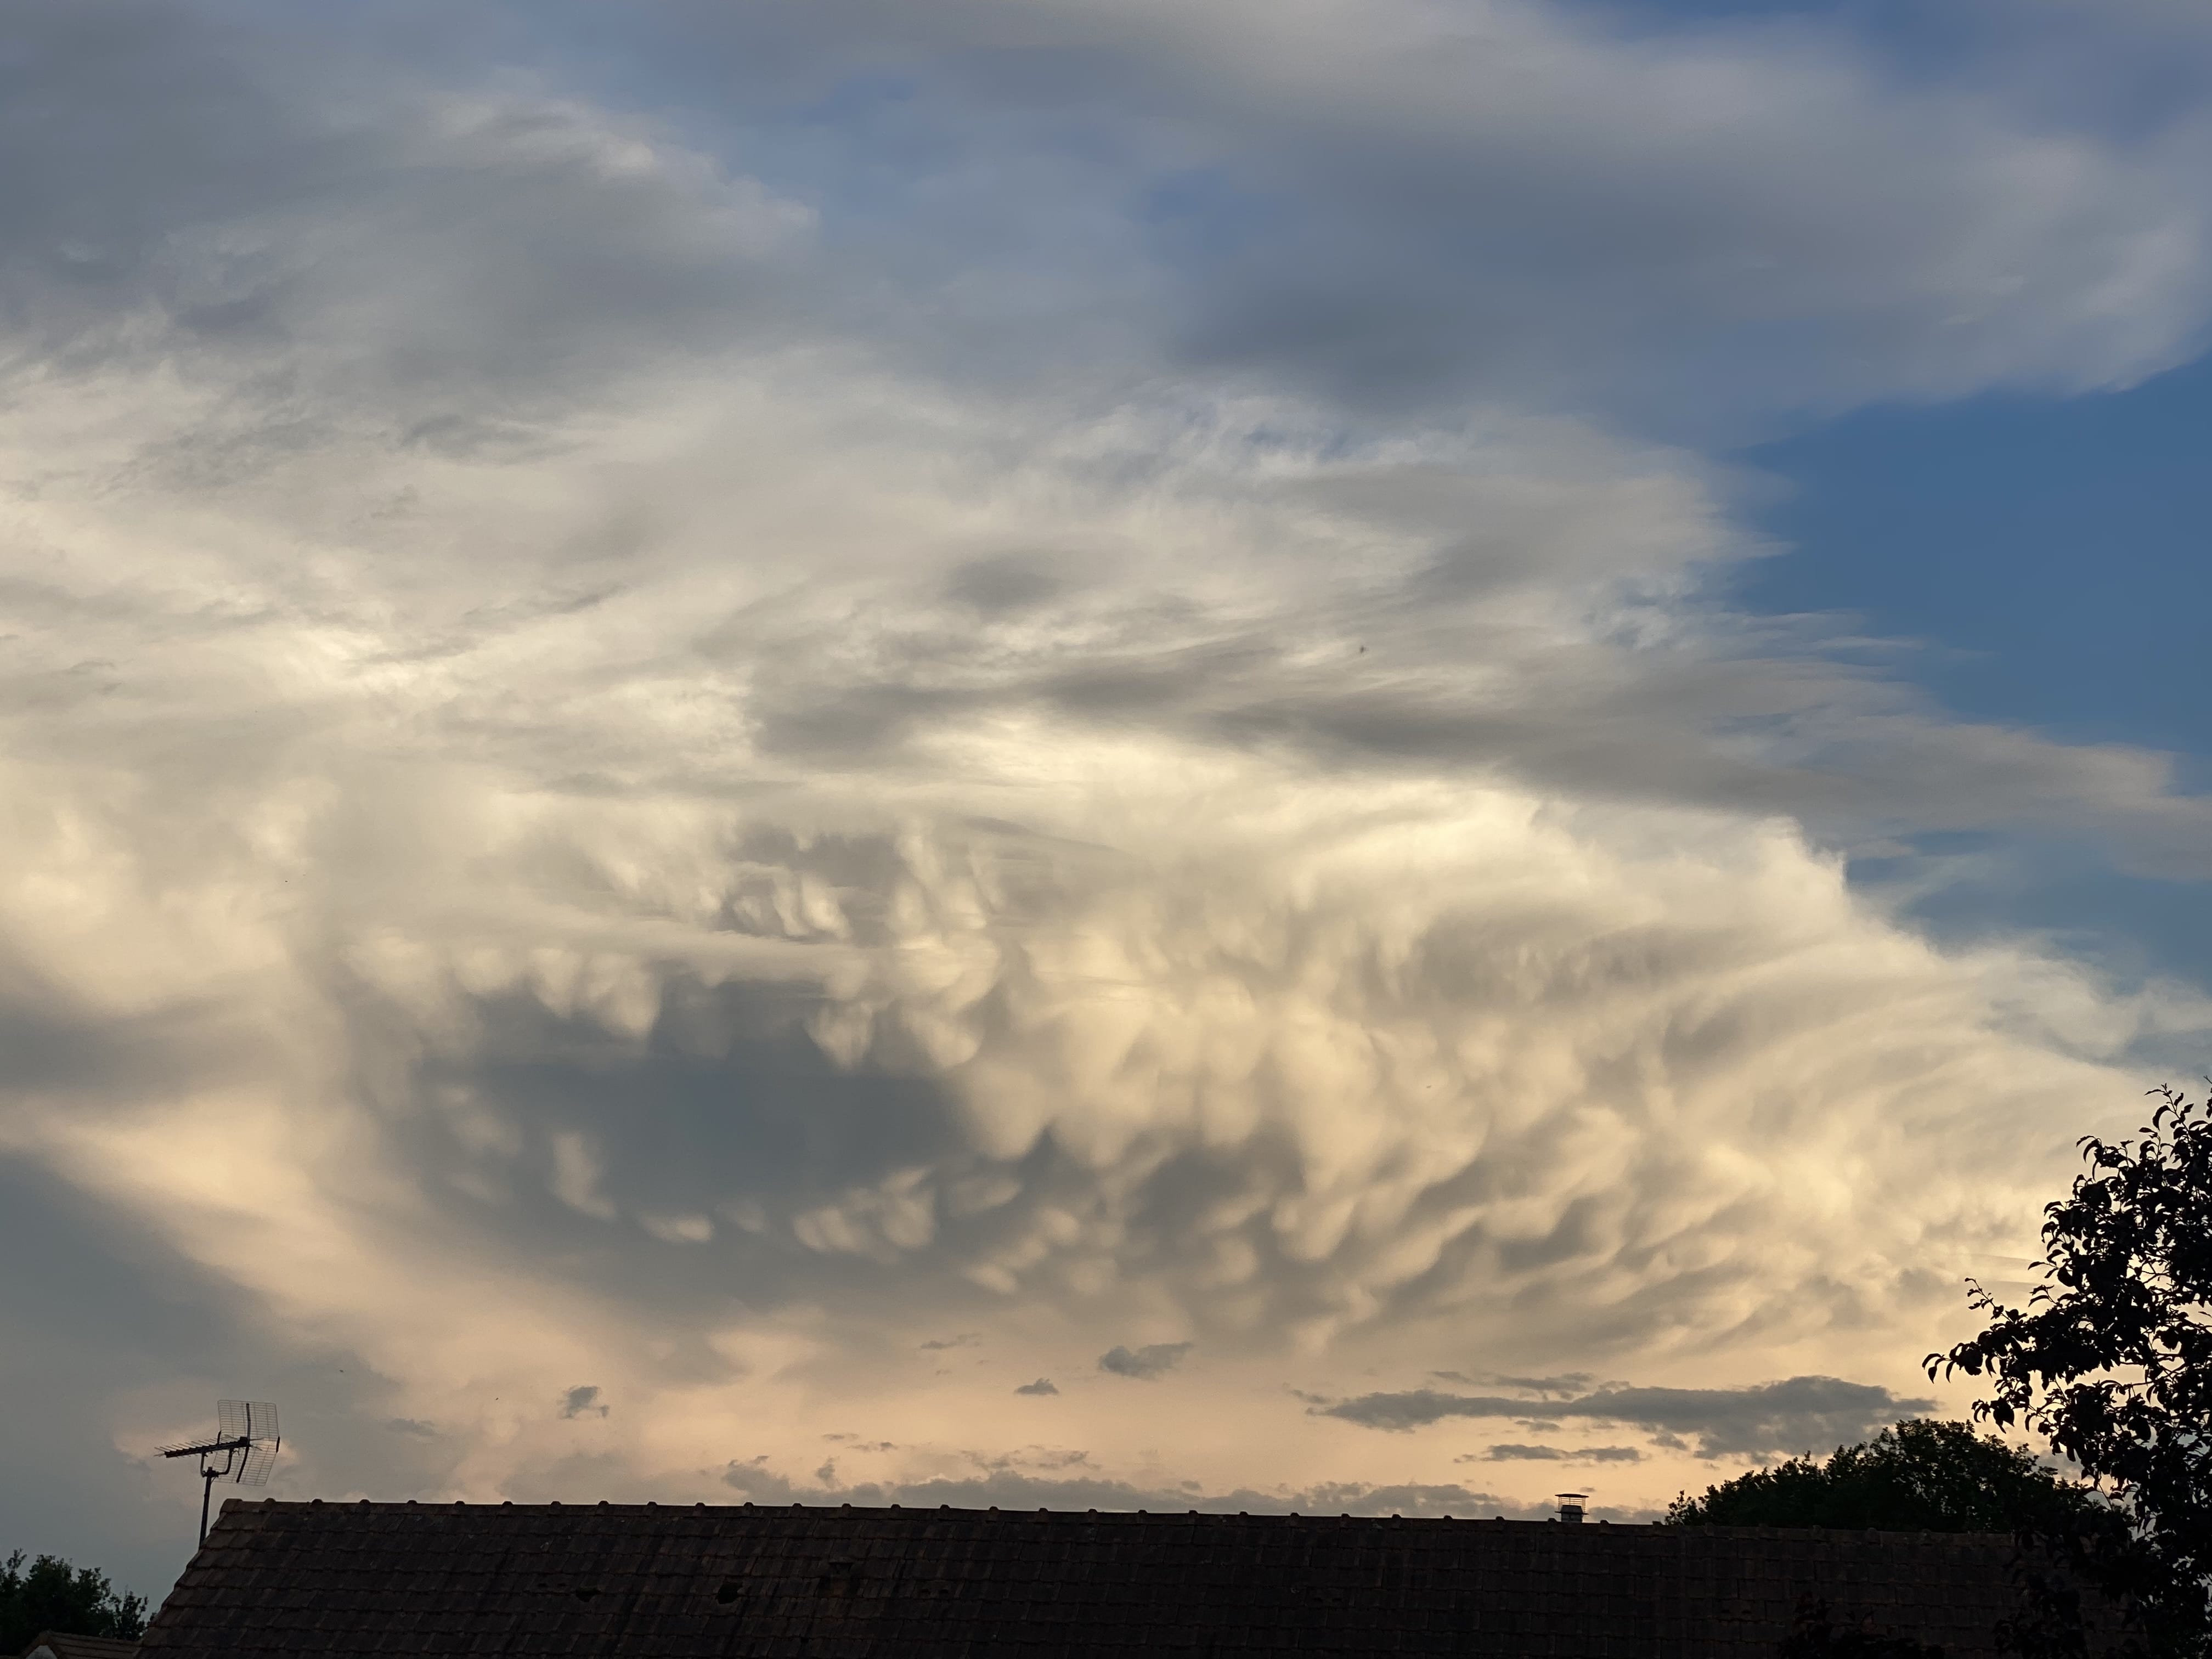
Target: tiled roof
x=667 y=1582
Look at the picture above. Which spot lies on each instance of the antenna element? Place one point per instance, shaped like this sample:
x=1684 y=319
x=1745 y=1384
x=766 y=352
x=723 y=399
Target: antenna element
x=245 y=1442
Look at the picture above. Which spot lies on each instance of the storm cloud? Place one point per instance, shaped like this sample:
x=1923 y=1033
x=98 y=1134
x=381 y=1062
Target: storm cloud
x=824 y=770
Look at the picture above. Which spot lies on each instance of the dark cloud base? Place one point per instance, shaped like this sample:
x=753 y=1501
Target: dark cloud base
x=1511 y=1453
x=1154 y=1359
x=1801 y=1413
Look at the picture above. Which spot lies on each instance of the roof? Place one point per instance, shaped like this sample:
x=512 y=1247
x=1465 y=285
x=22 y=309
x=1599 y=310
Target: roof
x=706 y=1583
x=60 y=1645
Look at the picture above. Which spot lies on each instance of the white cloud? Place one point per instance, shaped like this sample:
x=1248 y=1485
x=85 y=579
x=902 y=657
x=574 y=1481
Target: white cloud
x=576 y=1177
x=1120 y=1022
x=692 y=1229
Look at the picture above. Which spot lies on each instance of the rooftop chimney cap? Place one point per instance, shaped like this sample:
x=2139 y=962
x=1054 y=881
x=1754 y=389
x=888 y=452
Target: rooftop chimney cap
x=1570 y=1505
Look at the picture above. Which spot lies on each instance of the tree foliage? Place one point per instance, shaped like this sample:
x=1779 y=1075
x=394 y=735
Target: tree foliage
x=52 y=1594
x=1920 y=1476
x=2111 y=1363
x=1813 y=1635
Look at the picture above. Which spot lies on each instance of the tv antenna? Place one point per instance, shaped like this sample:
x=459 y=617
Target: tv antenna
x=242 y=1452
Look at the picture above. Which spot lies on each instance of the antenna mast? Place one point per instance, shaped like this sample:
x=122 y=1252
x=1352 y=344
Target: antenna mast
x=242 y=1452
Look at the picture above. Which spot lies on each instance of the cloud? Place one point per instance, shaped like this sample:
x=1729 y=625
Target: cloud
x=666 y=259
x=1396 y=202
x=577 y=684
x=1393 y=207
x=255 y=185
x=1183 y=1032
x=1042 y=1385
x=1510 y=1453
x=679 y=1229
x=1154 y=1360
x=965 y=1340
x=1544 y=1388
x=583 y=1401
x=1798 y=1414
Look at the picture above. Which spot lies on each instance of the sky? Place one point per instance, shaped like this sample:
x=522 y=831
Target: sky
x=1365 y=757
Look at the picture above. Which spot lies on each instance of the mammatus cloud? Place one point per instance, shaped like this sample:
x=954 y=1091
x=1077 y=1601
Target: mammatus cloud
x=1153 y=1360
x=1801 y=1414
x=591 y=726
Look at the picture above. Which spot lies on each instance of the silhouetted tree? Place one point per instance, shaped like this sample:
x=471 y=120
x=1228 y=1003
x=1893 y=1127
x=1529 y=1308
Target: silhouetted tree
x=1920 y=1476
x=2111 y=1363
x=52 y=1594
x=1813 y=1635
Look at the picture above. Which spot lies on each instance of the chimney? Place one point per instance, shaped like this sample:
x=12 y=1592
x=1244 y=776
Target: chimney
x=1570 y=1505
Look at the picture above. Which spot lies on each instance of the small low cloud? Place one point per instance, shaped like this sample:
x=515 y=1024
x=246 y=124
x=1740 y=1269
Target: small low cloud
x=1512 y=1453
x=1042 y=1385
x=411 y=1425
x=965 y=1340
x=1153 y=1360
x=583 y=1402
x=1799 y=1413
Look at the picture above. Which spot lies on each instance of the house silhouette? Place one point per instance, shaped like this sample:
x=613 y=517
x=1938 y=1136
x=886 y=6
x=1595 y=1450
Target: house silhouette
x=384 y=1581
